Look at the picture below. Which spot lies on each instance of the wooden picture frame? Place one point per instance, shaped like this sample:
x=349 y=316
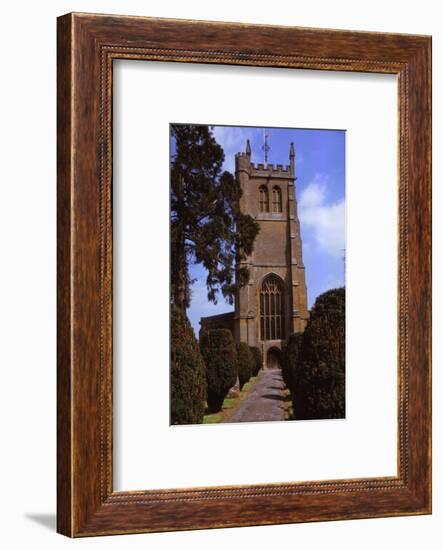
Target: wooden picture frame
x=87 y=46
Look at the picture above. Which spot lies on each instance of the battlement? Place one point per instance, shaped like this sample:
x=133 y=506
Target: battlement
x=243 y=162
x=270 y=167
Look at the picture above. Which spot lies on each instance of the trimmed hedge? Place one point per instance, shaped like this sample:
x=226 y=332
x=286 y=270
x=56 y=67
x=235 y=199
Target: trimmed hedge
x=258 y=360
x=314 y=364
x=246 y=363
x=220 y=356
x=290 y=359
x=188 y=377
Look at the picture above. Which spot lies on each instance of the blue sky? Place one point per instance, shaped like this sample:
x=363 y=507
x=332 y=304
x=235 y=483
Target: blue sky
x=320 y=193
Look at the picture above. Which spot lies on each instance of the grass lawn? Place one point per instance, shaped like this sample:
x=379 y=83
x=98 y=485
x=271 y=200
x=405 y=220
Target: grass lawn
x=229 y=404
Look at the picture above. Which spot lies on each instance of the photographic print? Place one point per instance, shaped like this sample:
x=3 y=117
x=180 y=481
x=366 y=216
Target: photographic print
x=257 y=248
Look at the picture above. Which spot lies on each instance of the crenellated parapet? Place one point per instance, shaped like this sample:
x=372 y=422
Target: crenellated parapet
x=259 y=170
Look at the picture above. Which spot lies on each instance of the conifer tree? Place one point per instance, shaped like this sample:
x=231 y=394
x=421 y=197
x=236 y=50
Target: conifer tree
x=207 y=226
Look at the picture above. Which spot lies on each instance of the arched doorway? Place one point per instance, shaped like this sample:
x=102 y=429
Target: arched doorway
x=273 y=359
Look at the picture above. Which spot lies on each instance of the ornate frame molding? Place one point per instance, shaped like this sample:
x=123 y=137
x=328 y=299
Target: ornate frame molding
x=87 y=46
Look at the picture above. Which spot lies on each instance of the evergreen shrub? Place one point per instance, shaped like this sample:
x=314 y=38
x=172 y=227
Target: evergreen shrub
x=315 y=365
x=188 y=376
x=246 y=363
x=220 y=356
x=258 y=360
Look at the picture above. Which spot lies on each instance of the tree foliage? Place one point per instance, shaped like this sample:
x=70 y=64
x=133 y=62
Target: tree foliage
x=207 y=226
x=188 y=376
x=314 y=363
x=258 y=360
x=246 y=363
x=220 y=356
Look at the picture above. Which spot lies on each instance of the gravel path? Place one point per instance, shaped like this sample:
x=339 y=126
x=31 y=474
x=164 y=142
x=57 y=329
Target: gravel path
x=264 y=402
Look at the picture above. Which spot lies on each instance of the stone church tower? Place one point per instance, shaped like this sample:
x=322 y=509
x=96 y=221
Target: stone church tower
x=273 y=304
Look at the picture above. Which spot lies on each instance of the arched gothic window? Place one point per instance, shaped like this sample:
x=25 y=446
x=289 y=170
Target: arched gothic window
x=271 y=309
x=276 y=199
x=264 y=199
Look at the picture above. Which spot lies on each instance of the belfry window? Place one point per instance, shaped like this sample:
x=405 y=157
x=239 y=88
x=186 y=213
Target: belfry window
x=276 y=199
x=271 y=309
x=264 y=199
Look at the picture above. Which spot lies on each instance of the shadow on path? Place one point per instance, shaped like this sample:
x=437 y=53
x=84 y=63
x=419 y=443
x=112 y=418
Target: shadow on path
x=264 y=402
x=273 y=396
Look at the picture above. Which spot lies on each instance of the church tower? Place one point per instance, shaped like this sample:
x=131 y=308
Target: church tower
x=273 y=304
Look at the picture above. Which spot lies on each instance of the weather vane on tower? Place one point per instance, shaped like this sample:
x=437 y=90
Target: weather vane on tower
x=266 y=148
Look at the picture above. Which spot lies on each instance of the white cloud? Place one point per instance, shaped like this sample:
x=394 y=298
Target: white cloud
x=232 y=137
x=315 y=193
x=326 y=220
x=233 y=140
